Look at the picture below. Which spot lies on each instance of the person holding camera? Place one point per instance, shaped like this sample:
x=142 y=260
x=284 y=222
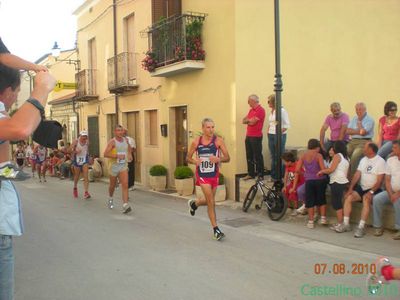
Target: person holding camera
x=18 y=127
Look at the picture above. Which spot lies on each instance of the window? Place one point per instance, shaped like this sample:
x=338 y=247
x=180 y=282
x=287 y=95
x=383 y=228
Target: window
x=151 y=119
x=111 y=123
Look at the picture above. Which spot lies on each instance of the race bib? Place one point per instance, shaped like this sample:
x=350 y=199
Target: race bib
x=80 y=160
x=121 y=157
x=206 y=166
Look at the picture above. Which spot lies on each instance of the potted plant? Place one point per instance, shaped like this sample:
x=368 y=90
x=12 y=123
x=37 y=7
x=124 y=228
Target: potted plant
x=158 y=177
x=184 y=180
x=220 y=194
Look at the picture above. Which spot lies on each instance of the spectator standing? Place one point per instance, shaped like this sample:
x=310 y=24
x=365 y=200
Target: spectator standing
x=361 y=131
x=337 y=123
x=255 y=122
x=315 y=185
x=389 y=129
x=272 y=136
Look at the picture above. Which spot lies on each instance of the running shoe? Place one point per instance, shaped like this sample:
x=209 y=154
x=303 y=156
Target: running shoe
x=192 y=206
x=360 y=232
x=218 y=235
x=126 y=208
x=110 y=203
x=86 y=195
x=75 y=192
x=343 y=228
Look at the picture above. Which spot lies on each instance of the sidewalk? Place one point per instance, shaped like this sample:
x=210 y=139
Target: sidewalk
x=293 y=229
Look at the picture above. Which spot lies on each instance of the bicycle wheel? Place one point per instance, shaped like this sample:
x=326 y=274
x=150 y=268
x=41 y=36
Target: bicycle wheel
x=276 y=205
x=249 y=198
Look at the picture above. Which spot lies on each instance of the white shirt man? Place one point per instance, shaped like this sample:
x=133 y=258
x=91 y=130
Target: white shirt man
x=370 y=173
x=392 y=193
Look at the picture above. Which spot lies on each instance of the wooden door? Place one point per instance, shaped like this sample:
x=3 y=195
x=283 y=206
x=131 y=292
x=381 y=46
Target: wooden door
x=181 y=135
x=133 y=126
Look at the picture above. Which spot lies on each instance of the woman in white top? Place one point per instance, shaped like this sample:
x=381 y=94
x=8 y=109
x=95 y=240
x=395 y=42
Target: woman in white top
x=272 y=137
x=338 y=181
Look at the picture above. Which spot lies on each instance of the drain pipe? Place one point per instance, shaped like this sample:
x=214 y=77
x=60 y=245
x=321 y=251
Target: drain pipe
x=115 y=60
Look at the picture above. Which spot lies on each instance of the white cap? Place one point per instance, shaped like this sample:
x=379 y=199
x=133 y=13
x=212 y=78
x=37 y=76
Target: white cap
x=83 y=133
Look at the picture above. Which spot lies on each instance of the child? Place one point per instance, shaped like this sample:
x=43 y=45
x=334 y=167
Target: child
x=290 y=185
x=337 y=171
x=313 y=162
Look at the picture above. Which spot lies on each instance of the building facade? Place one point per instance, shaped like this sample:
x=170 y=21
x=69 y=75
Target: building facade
x=332 y=50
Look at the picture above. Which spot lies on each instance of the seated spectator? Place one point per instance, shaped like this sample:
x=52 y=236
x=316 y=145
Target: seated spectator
x=337 y=123
x=392 y=193
x=337 y=172
x=65 y=167
x=389 y=129
x=97 y=167
x=290 y=182
x=361 y=131
x=370 y=173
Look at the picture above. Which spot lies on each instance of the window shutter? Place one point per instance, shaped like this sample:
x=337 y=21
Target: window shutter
x=174 y=7
x=159 y=9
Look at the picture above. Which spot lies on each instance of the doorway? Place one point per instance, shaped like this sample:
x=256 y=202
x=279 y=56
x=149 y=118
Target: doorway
x=93 y=131
x=181 y=145
x=132 y=121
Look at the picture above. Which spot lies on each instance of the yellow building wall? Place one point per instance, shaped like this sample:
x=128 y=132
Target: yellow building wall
x=208 y=92
x=332 y=50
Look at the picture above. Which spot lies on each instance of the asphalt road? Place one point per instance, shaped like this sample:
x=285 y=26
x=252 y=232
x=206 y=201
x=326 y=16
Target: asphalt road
x=79 y=249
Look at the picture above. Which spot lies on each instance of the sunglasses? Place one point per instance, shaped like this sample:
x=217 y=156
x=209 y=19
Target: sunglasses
x=393 y=109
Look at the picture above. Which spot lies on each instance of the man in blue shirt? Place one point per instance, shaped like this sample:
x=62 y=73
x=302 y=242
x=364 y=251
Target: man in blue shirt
x=361 y=131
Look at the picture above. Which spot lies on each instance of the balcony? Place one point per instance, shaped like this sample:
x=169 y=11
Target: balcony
x=125 y=80
x=175 y=45
x=86 y=88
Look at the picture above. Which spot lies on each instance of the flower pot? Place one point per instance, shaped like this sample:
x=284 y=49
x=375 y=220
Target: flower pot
x=220 y=194
x=158 y=183
x=184 y=187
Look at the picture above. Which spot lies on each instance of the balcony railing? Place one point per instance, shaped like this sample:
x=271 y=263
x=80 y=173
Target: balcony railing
x=126 y=73
x=175 y=40
x=86 y=88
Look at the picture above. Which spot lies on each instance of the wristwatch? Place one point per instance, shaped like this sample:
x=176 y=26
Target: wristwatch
x=371 y=192
x=38 y=105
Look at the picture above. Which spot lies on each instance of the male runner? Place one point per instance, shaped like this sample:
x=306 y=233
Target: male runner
x=19 y=156
x=32 y=159
x=80 y=151
x=119 y=152
x=208 y=148
x=41 y=161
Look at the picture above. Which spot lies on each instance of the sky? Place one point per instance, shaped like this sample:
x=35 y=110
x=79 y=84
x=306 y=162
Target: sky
x=29 y=28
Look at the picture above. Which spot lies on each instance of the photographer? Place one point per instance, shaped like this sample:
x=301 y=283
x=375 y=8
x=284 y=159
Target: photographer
x=18 y=127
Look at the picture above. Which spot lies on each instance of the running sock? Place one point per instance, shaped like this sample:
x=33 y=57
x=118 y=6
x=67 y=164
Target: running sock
x=362 y=224
x=346 y=220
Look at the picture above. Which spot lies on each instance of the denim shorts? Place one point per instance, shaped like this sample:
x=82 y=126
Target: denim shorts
x=6 y=268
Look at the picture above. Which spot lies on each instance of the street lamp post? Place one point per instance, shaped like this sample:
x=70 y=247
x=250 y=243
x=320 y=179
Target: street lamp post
x=77 y=64
x=278 y=99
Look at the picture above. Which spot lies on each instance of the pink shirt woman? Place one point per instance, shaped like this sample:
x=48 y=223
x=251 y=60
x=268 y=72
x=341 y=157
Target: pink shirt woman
x=389 y=129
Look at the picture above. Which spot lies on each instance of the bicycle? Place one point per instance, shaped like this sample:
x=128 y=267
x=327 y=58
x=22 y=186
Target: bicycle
x=273 y=199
